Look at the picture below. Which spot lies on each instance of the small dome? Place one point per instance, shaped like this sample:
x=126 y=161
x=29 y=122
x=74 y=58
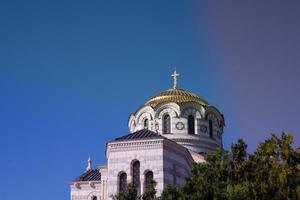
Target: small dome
x=177 y=96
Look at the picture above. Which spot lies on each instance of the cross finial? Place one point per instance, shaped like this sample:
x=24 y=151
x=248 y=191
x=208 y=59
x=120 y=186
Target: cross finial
x=175 y=75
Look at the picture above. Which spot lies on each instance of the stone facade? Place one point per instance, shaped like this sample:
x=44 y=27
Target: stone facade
x=167 y=135
x=86 y=190
x=161 y=156
x=121 y=155
x=202 y=140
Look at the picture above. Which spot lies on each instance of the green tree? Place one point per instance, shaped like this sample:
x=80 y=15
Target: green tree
x=209 y=179
x=275 y=169
x=129 y=194
x=150 y=192
x=272 y=172
x=170 y=193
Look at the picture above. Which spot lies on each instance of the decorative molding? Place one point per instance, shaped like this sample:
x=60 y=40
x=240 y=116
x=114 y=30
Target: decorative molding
x=210 y=143
x=92 y=184
x=134 y=145
x=191 y=110
x=203 y=128
x=168 y=111
x=174 y=107
x=77 y=185
x=180 y=126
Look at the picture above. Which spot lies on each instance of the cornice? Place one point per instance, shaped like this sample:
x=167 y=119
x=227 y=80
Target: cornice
x=133 y=145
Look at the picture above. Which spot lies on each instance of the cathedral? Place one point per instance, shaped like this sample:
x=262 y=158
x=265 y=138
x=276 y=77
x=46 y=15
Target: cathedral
x=167 y=134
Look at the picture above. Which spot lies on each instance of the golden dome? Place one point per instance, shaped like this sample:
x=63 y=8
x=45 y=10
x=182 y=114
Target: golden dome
x=175 y=95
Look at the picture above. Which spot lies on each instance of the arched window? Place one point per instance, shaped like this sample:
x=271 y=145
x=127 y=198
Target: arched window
x=94 y=198
x=136 y=175
x=148 y=180
x=210 y=128
x=166 y=124
x=191 y=124
x=146 y=124
x=122 y=182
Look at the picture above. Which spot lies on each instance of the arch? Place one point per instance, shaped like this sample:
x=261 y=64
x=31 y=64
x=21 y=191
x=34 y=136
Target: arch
x=143 y=116
x=94 y=198
x=146 y=123
x=144 y=112
x=191 y=124
x=148 y=180
x=135 y=169
x=93 y=195
x=172 y=108
x=190 y=109
x=210 y=128
x=212 y=122
x=213 y=117
x=122 y=182
x=166 y=124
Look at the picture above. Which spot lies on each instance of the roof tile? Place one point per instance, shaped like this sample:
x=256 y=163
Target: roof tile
x=141 y=134
x=89 y=175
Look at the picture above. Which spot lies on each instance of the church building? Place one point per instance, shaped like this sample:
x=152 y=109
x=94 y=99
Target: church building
x=170 y=132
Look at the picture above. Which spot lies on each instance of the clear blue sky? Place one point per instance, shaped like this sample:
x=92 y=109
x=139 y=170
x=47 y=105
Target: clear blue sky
x=71 y=72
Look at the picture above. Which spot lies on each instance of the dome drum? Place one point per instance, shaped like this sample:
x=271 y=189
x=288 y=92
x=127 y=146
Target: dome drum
x=183 y=117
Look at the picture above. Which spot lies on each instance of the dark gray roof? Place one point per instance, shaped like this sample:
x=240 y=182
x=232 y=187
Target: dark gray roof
x=141 y=134
x=89 y=175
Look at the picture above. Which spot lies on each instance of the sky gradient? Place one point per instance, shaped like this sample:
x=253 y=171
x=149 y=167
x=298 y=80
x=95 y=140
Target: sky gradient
x=71 y=72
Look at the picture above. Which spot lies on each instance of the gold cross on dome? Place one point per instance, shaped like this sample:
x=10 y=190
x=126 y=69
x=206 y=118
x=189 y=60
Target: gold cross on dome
x=175 y=75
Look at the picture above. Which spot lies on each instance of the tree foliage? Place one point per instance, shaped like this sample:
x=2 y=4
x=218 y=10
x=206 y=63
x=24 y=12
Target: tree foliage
x=171 y=192
x=129 y=194
x=150 y=192
x=132 y=194
x=272 y=172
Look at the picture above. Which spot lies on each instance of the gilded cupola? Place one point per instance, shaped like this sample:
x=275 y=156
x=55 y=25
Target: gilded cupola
x=181 y=116
x=175 y=95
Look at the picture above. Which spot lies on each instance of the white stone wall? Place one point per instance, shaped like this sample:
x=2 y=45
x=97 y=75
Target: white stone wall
x=103 y=190
x=85 y=190
x=170 y=162
x=120 y=156
x=177 y=164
